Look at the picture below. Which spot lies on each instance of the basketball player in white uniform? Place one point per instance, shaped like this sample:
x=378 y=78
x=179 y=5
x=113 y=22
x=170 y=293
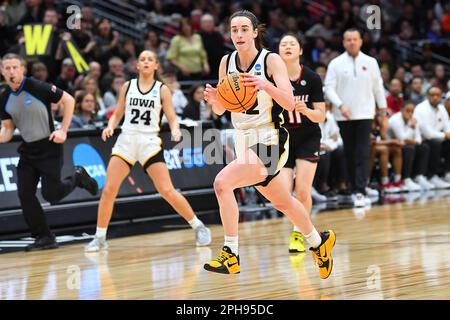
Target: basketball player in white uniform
x=261 y=145
x=143 y=101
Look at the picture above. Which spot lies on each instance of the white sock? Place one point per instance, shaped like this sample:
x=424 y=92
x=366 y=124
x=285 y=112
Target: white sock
x=397 y=177
x=195 y=223
x=297 y=229
x=313 y=238
x=232 y=243
x=384 y=180
x=101 y=232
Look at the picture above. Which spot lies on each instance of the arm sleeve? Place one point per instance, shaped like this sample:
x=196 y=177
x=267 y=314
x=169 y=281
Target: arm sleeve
x=331 y=85
x=46 y=92
x=378 y=89
x=317 y=90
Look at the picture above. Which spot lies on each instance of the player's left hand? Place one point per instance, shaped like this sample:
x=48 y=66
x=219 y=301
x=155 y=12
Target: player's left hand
x=176 y=134
x=254 y=81
x=58 y=136
x=301 y=107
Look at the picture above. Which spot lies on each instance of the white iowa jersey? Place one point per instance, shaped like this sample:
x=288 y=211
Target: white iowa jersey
x=143 y=110
x=265 y=111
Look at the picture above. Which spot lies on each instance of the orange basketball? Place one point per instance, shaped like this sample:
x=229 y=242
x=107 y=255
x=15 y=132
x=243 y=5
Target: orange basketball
x=233 y=95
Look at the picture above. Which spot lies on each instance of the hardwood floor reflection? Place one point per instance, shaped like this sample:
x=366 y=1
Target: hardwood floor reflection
x=399 y=251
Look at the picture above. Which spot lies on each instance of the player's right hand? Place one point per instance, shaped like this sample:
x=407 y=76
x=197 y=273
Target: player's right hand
x=107 y=133
x=210 y=94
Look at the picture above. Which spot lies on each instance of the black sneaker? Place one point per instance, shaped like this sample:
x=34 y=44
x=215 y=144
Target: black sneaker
x=85 y=181
x=43 y=243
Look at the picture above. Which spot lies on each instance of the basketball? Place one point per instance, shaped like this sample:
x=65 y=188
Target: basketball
x=233 y=95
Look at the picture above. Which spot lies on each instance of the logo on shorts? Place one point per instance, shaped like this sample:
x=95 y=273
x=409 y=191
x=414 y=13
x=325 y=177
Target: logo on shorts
x=54 y=88
x=88 y=157
x=303 y=83
x=257 y=67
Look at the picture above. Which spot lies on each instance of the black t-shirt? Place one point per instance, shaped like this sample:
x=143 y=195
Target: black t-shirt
x=30 y=108
x=307 y=88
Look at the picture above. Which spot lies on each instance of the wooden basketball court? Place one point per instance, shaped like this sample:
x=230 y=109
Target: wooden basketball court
x=399 y=251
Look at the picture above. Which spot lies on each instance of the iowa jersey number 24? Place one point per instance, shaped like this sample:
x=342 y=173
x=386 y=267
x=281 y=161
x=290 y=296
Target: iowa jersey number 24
x=144 y=117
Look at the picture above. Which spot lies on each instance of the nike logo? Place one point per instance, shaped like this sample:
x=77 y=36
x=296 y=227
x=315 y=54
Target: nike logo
x=324 y=257
x=231 y=262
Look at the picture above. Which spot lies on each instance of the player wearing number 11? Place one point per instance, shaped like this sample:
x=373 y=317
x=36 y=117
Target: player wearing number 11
x=143 y=101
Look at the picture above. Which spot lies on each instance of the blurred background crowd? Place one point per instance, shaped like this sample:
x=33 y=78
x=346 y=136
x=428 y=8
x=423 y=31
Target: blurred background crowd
x=190 y=37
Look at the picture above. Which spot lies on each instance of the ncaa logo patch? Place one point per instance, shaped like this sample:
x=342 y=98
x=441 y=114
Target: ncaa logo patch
x=86 y=156
x=257 y=67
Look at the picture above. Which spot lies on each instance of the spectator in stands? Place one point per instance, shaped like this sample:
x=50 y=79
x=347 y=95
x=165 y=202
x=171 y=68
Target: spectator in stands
x=87 y=18
x=416 y=95
x=213 y=43
x=319 y=47
x=116 y=67
x=39 y=71
x=84 y=39
x=127 y=49
x=317 y=9
x=106 y=42
x=403 y=127
x=275 y=29
x=386 y=76
x=196 y=16
x=95 y=70
x=178 y=97
x=400 y=74
x=434 y=33
x=441 y=78
x=66 y=78
x=55 y=51
x=395 y=97
x=417 y=71
x=187 y=54
x=153 y=43
x=183 y=7
x=291 y=26
x=345 y=18
x=325 y=29
x=85 y=112
x=90 y=85
x=110 y=97
x=34 y=12
x=6 y=32
x=386 y=150
x=331 y=158
x=434 y=126
x=131 y=68
x=197 y=108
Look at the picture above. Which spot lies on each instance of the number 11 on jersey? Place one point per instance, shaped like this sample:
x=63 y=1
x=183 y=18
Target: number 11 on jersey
x=294 y=117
